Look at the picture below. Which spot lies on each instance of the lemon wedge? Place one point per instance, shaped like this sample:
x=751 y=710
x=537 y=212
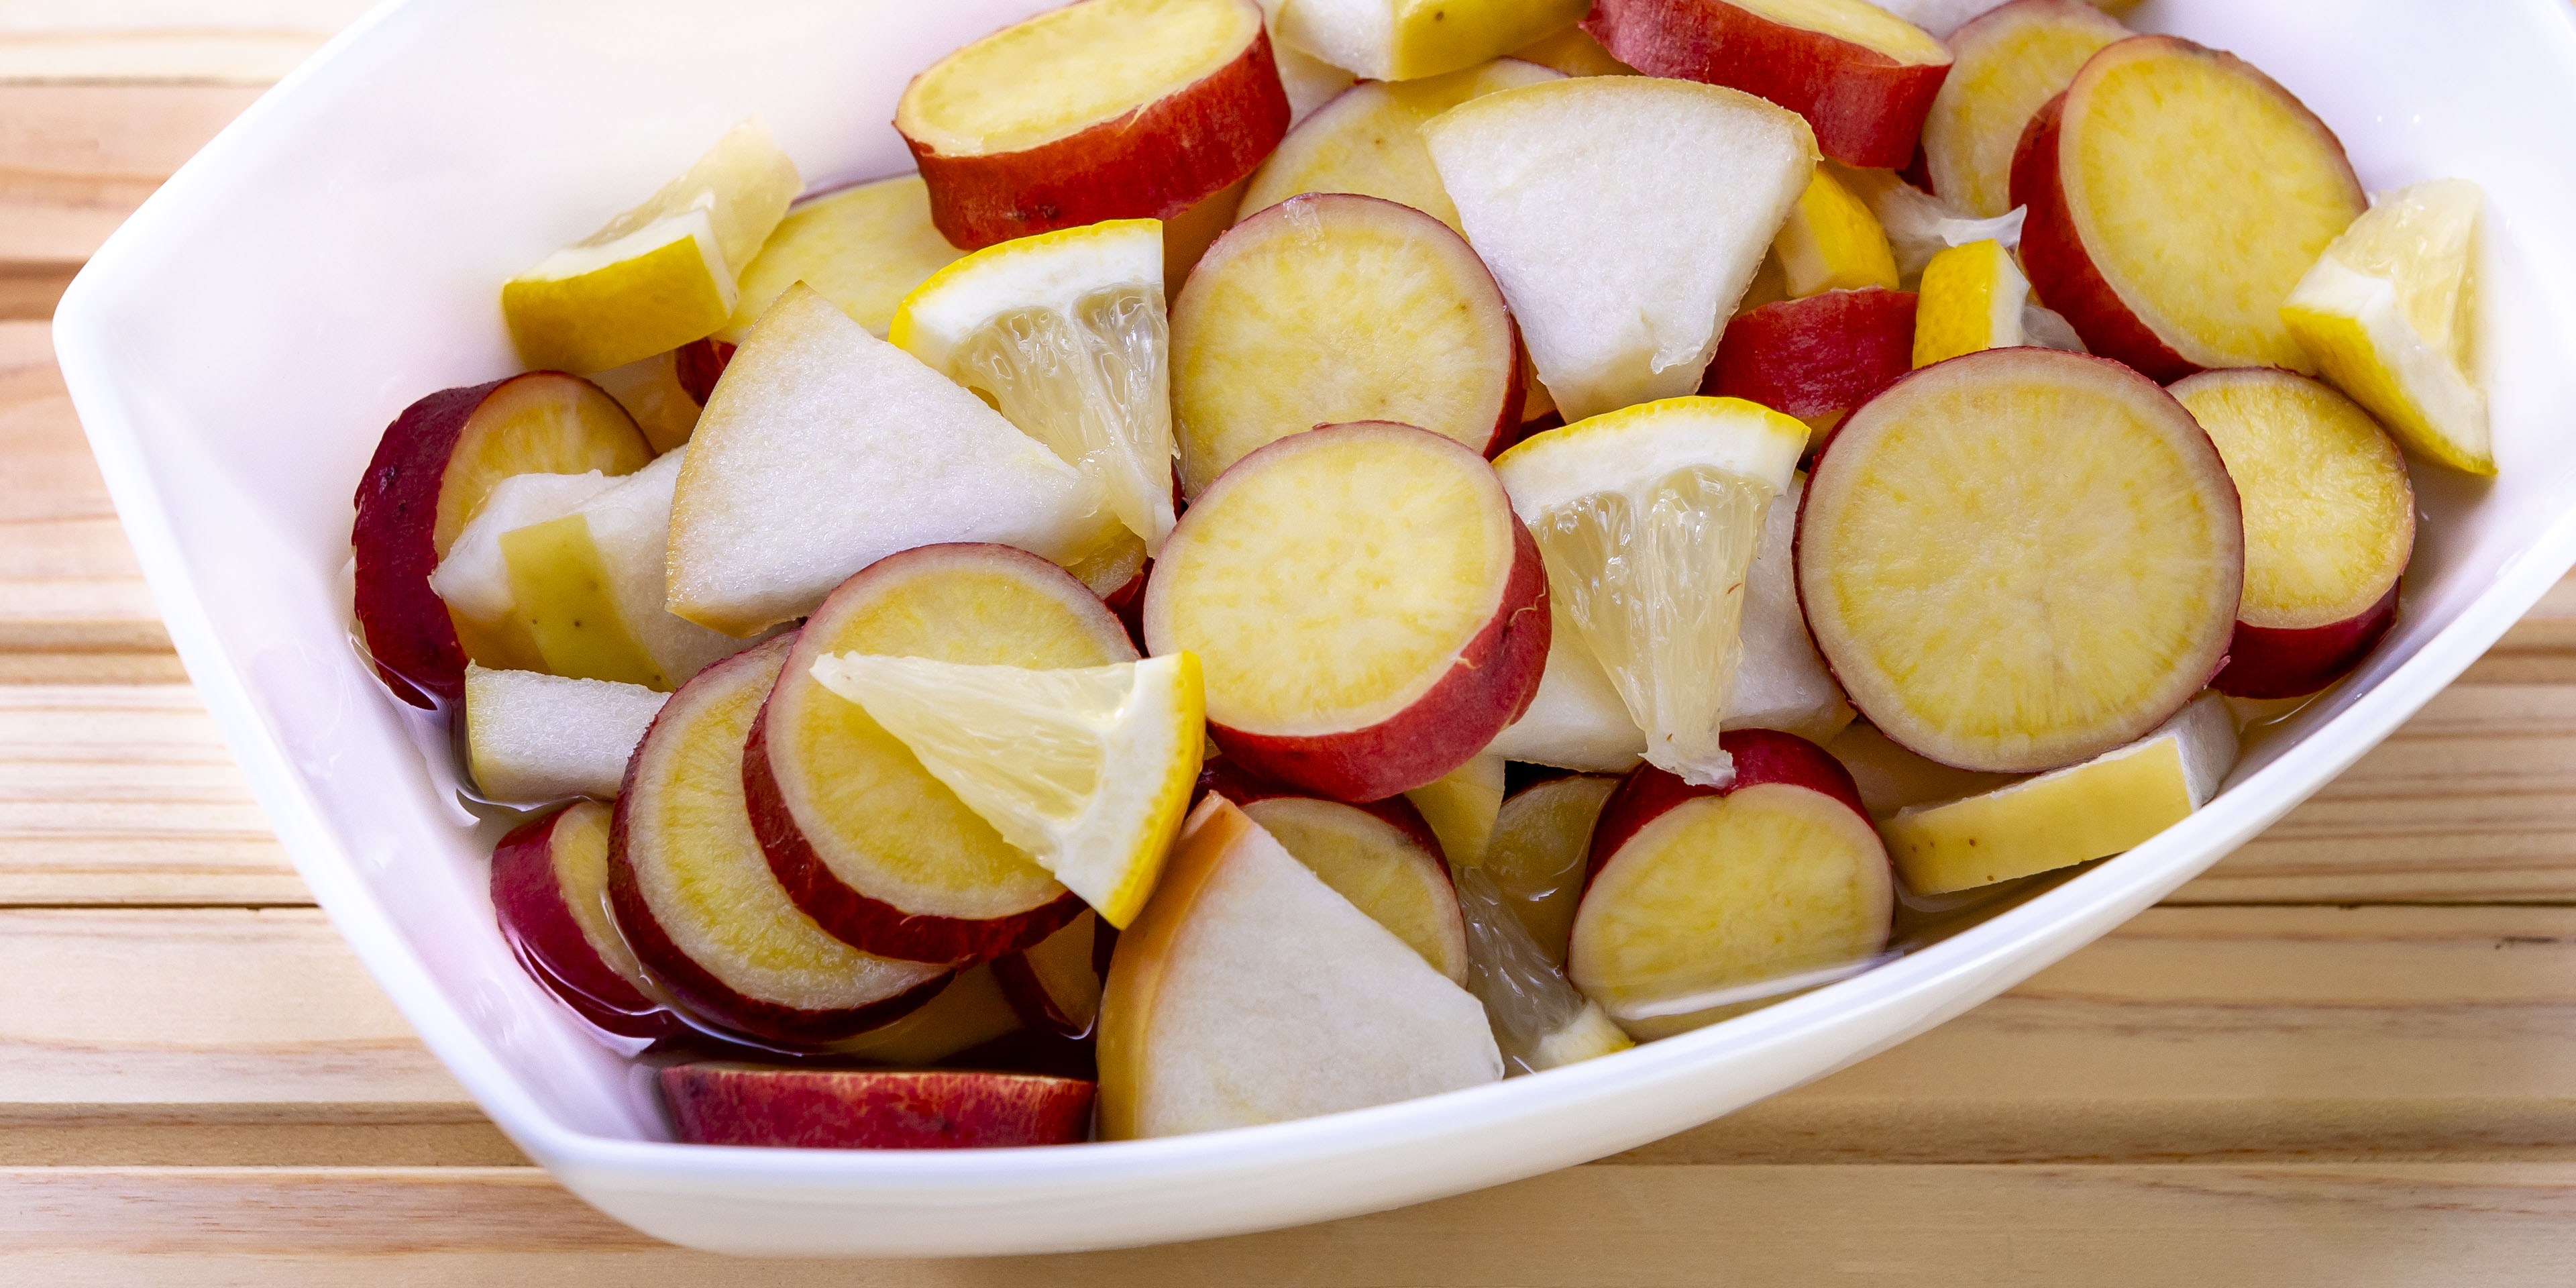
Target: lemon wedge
x=2385 y=313
x=1066 y=333
x=1648 y=518
x=1088 y=769
x=661 y=274
x=1971 y=299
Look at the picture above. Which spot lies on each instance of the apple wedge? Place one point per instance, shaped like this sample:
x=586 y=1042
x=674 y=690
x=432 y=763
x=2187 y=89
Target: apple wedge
x=661 y=274
x=532 y=738
x=1249 y=992
x=1309 y=81
x=1460 y=808
x=1623 y=216
x=1368 y=140
x=432 y=470
x=2329 y=526
x=550 y=892
x=1264 y=343
x=863 y=247
x=1115 y=109
x=2020 y=559
x=815 y=425
x=1055 y=983
x=1706 y=902
x=2008 y=61
x=1816 y=358
x=1541 y=850
x=973 y=1010
x=697 y=900
x=1381 y=856
x=862 y=837
x=1403 y=40
x=2176 y=196
x=2113 y=802
x=726 y=1103
x=1862 y=76
x=574 y=565
x=1367 y=610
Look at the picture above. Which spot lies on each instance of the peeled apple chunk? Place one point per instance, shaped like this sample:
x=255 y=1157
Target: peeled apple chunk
x=1381 y=856
x=1249 y=992
x=863 y=247
x=1310 y=81
x=1088 y=769
x=1368 y=140
x=661 y=274
x=1368 y=611
x=1862 y=76
x=1111 y=109
x=550 y=895
x=1705 y=902
x=2113 y=802
x=872 y=845
x=1649 y=519
x=1066 y=333
x=2176 y=195
x=816 y=425
x=1971 y=298
x=532 y=738
x=433 y=470
x=1402 y=40
x=2329 y=526
x=2386 y=314
x=2020 y=559
x=1623 y=216
x=1332 y=307
x=696 y=898
x=2009 y=61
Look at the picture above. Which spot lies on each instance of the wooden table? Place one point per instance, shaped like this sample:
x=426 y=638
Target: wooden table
x=2345 y=1056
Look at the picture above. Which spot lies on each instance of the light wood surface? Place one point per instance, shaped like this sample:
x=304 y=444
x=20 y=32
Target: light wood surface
x=2347 y=1055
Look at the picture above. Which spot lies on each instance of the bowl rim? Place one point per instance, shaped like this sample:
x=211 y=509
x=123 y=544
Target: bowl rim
x=86 y=346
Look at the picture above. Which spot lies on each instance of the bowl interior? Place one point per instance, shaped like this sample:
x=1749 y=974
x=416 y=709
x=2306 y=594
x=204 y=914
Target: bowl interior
x=238 y=348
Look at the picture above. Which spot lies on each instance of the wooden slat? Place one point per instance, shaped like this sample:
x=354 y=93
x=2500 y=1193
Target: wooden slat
x=2472 y=800
x=2349 y=1225
x=203 y=41
x=68 y=581
x=75 y=160
x=125 y=795
x=2201 y=1034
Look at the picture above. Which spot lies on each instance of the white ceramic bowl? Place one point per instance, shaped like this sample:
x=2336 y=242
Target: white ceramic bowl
x=236 y=348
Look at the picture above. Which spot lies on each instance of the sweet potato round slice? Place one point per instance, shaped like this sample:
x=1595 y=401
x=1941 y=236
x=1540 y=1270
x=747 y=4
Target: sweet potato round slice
x=2020 y=558
x=2176 y=196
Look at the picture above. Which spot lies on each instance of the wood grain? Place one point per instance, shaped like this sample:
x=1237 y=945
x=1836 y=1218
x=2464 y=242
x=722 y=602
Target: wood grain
x=196 y=41
x=124 y=794
x=68 y=581
x=2350 y=1225
x=75 y=160
x=2191 y=1034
